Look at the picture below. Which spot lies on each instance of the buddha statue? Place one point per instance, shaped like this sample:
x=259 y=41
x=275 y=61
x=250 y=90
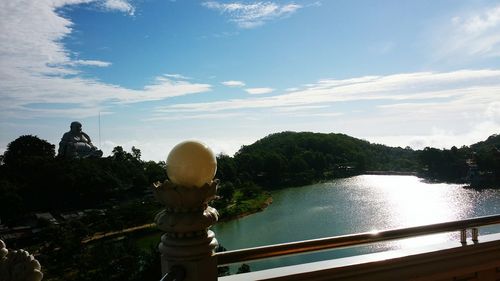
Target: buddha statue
x=77 y=144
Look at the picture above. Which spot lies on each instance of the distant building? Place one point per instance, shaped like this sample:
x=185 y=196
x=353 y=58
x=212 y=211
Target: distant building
x=48 y=217
x=70 y=216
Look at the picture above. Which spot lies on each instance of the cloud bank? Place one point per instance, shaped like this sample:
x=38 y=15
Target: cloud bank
x=417 y=109
x=473 y=87
x=36 y=67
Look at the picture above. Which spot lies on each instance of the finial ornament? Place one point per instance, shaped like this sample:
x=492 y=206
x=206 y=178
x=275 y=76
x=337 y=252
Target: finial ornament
x=191 y=164
x=18 y=265
x=187 y=241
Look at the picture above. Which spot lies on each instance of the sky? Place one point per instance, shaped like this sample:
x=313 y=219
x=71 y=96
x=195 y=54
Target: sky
x=153 y=73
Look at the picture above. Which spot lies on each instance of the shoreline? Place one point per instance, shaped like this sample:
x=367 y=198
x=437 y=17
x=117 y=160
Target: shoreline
x=261 y=208
x=132 y=230
x=391 y=173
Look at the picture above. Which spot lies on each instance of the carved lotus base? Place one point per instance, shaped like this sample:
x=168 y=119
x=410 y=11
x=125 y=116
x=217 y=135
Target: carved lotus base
x=186 y=212
x=179 y=199
x=18 y=265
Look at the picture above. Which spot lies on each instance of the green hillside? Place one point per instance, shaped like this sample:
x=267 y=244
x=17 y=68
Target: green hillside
x=298 y=158
x=291 y=159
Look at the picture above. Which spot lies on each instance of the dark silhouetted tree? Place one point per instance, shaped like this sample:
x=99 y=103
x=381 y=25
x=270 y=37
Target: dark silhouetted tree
x=136 y=153
x=244 y=268
x=26 y=149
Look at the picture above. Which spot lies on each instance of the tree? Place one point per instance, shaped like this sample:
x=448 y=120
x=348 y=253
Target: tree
x=28 y=148
x=136 y=153
x=119 y=153
x=12 y=204
x=155 y=172
x=226 y=191
x=226 y=168
x=244 y=268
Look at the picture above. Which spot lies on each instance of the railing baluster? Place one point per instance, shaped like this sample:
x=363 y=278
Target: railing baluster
x=475 y=234
x=463 y=236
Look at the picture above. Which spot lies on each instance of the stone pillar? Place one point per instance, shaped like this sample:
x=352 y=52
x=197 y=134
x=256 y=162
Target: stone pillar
x=187 y=242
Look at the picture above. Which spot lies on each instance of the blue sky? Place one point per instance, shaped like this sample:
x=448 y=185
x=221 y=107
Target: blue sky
x=401 y=73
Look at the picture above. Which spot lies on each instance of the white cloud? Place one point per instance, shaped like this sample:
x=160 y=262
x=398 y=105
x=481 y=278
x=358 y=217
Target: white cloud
x=472 y=35
x=119 y=5
x=254 y=14
x=36 y=67
x=233 y=83
x=259 y=91
x=96 y=63
x=483 y=85
x=177 y=76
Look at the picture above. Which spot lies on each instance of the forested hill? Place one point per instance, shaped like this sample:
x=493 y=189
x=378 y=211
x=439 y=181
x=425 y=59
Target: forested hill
x=291 y=159
x=491 y=142
x=286 y=159
x=298 y=158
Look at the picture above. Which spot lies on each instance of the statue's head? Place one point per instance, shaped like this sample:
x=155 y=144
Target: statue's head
x=76 y=127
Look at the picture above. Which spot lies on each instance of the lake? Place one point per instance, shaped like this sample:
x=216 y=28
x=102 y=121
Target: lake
x=352 y=205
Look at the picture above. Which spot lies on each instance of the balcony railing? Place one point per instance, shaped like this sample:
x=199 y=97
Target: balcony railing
x=479 y=258
x=285 y=249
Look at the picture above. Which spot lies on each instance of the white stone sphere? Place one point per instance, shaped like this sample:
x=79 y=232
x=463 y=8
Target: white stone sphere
x=191 y=164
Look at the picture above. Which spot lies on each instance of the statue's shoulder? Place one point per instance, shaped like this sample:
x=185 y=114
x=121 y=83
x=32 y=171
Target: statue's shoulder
x=67 y=136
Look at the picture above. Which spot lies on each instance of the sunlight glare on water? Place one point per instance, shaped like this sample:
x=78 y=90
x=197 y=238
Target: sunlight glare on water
x=412 y=203
x=366 y=203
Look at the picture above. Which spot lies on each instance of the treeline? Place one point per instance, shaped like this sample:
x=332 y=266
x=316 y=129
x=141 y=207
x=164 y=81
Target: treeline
x=294 y=159
x=478 y=164
x=32 y=178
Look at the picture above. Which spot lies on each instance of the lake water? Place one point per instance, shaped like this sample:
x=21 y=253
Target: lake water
x=358 y=204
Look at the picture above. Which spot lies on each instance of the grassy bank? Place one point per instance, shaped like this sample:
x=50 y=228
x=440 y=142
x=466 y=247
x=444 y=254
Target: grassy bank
x=242 y=207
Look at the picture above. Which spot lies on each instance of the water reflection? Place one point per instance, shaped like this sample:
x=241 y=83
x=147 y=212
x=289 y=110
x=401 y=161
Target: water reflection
x=412 y=203
x=407 y=201
x=353 y=205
